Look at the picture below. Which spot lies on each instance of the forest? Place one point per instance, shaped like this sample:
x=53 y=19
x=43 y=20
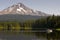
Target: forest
x=50 y=22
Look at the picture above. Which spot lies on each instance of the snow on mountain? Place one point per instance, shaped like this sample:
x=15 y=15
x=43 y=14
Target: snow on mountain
x=21 y=9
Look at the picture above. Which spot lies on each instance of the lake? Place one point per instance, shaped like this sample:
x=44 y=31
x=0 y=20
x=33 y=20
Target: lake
x=19 y=36
x=26 y=36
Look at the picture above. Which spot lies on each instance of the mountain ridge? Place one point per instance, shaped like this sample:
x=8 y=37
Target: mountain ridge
x=21 y=9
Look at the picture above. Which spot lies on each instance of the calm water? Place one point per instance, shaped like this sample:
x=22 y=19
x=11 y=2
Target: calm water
x=19 y=36
x=27 y=36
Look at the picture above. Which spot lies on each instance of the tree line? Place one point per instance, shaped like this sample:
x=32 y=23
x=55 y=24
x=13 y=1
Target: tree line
x=51 y=22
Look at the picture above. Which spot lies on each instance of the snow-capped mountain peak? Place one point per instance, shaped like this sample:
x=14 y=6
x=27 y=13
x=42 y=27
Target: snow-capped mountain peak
x=21 y=9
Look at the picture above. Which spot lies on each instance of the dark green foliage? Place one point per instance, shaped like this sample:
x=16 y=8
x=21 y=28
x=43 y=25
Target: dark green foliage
x=50 y=22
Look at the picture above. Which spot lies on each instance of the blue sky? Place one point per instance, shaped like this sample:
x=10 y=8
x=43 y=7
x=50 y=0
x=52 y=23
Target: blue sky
x=47 y=6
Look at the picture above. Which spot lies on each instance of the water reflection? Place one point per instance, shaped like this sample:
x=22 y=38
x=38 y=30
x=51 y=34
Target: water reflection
x=16 y=35
x=19 y=36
